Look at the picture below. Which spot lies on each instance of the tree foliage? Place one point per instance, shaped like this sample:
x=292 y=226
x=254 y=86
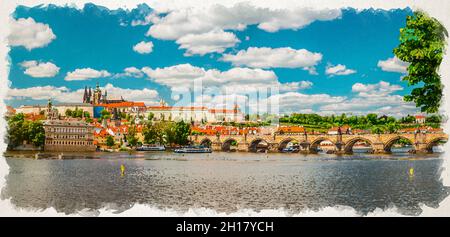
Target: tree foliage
x=110 y=141
x=422 y=44
x=20 y=130
x=167 y=133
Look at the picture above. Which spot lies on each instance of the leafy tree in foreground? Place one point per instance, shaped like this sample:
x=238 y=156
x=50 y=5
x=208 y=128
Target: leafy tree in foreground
x=109 y=141
x=422 y=43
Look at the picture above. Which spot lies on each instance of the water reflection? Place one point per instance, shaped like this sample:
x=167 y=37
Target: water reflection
x=227 y=181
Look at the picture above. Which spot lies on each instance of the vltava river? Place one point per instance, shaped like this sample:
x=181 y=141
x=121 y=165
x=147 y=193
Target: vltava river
x=227 y=182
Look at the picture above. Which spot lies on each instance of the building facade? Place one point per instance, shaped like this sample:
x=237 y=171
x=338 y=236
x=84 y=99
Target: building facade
x=193 y=113
x=65 y=135
x=61 y=108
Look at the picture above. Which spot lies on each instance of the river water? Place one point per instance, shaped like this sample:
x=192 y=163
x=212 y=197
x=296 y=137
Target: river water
x=226 y=182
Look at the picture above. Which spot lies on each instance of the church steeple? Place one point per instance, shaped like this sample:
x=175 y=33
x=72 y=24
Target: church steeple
x=85 y=96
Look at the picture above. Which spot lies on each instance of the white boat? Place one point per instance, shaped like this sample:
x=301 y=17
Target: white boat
x=151 y=148
x=193 y=149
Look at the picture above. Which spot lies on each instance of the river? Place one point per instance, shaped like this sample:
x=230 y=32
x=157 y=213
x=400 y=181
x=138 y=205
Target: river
x=226 y=182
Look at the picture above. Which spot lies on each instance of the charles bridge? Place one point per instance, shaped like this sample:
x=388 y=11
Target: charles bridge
x=309 y=143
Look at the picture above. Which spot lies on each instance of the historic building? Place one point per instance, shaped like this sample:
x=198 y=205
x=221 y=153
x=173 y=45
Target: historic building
x=194 y=113
x=96 y=97
x=61 y=108
x=67 y=135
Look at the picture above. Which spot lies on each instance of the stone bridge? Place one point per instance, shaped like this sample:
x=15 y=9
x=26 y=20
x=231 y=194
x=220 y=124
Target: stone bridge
x=309 y=143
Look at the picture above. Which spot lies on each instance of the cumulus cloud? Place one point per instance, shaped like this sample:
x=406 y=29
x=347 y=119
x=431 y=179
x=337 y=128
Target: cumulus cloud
x=393 y=65
x=143 y=47
x=65 y=95
x=274 y=57
x=34 y=68
x=295 y=86
x=30 y=34
x=338 y=70
x=291 y=102
x=183 y=76
x=209 y=42
x=373 y=98
x=130 y=72
x=86 y=74
x=178 y=23
x=149 y=19
x=380 y=89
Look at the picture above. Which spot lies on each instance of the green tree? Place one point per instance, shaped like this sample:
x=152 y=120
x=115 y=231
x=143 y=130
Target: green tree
x=36 y=133
x=68 y=113
x=131 y=136
x=110 y=141
x=104 y=114
x=422 y=44
x=182 y=131
x=150 y=116
x=154 y=133
x=15 y=134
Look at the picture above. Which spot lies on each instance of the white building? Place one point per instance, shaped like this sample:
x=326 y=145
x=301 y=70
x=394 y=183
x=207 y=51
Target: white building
x=194 y=113
x=62 y=108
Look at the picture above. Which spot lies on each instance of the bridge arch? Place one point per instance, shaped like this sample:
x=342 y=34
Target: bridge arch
x=206 y=142
x=435 y=142
x=228 y=143
x=388 y=145
x=348 y=148
x=316 y=143
x=253 y=146
x=283 y=143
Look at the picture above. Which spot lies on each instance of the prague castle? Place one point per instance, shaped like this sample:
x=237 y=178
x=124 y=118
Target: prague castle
x=95 y=100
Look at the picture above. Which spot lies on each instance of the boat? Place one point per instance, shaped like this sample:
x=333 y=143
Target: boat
x=290 y=149
x=193 y=149
x=150 y=148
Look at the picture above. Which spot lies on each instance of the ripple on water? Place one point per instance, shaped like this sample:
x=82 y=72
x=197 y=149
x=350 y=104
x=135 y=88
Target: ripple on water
x=227 y=182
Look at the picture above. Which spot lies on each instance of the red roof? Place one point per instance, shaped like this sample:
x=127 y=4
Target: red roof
x=224 y=111
x=420 y=116
x=190 y=108
x=123 y=104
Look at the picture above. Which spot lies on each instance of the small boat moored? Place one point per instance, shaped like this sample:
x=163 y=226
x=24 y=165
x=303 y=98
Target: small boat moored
x=193 y=149
x=151 y=148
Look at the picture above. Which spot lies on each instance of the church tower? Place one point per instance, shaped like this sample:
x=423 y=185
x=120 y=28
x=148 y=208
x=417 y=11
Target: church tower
x=97 y=95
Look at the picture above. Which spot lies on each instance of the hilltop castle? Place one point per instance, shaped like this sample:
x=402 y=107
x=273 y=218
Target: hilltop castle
x=96 y=97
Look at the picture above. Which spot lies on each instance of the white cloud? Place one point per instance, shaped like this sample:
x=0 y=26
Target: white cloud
x=65 y=95
x=373 y=98
x=39 y=69
x=295 y=86
x=393 y=65
x=143 y=47
x=30 y=34
x=85 y=74
x=178 y=23
x=209 y=42
x=182 y=76
x=130 y=72
x=294 y=102
x=149 y=19
x=380 y=89
x=274 y=57
x=338 y=70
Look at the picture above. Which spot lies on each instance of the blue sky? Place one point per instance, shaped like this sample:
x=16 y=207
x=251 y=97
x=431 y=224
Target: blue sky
x=329 y=61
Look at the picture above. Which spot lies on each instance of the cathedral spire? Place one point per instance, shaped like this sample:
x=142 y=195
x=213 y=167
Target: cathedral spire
x=85 y=96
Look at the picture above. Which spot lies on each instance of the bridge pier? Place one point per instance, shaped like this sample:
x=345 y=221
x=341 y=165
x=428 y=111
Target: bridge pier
x=273 y=147
x=243 y=146
x=422 y=148
x=216 y=146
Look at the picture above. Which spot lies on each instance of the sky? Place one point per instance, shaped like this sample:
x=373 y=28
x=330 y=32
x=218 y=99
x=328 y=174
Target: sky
x=277 y=61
